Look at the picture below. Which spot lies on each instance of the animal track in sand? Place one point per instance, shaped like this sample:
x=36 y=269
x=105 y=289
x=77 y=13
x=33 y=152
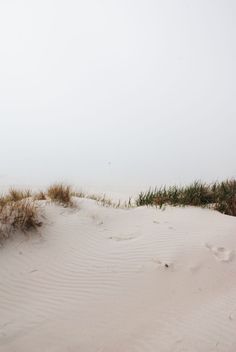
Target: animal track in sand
x=220 y=253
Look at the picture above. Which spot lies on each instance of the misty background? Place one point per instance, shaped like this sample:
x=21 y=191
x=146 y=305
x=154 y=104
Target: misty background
x=117 y=95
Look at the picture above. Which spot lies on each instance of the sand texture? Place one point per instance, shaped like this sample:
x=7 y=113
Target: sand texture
x=97 y=279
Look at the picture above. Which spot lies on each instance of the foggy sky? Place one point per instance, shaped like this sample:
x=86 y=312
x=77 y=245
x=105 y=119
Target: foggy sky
x=119 y=95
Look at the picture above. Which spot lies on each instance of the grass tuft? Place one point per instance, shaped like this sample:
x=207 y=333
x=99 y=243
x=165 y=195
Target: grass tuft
x=19 y=215
x=16 y=194
x=40 y=196
x=61 y=194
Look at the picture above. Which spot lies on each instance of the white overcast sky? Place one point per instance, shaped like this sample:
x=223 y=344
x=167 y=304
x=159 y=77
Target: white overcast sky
x=118 y=95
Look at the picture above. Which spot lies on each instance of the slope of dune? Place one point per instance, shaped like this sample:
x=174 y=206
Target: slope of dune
x=98 y=279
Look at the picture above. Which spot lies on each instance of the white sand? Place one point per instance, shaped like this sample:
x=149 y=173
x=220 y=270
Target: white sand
x=96 y=281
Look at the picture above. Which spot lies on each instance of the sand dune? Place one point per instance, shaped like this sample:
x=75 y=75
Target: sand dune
x=112 y=280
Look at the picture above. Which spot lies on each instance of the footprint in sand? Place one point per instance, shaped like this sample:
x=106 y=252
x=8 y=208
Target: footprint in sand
x=232 y=315
x=221 y=253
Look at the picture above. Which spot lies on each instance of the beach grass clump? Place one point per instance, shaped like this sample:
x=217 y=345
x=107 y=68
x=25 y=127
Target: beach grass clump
x=196 y=194
x=61 y=194
x=220 y=196
x=15 y=194
x=41 y=195
x=21 y=215
x=226 y=197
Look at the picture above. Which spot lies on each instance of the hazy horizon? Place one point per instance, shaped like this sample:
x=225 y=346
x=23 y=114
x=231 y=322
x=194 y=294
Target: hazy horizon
x=118 y=95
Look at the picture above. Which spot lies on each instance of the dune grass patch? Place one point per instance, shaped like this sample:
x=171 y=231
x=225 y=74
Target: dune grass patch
x=220 y=196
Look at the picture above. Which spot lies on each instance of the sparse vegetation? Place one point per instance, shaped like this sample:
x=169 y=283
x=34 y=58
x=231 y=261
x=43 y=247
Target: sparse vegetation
x=105 y=201
x=61 y=194
x=220 y=196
